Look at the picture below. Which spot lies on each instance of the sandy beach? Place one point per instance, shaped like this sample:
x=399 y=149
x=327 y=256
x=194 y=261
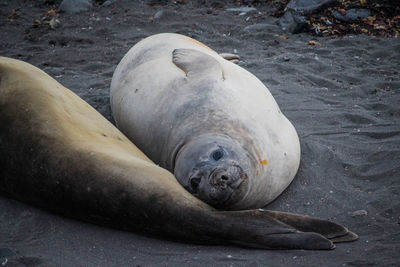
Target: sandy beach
x=341 y=93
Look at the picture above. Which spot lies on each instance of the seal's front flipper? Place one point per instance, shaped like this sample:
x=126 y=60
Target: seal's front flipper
x=230 y=57
x=333 y=231
x=196 y=64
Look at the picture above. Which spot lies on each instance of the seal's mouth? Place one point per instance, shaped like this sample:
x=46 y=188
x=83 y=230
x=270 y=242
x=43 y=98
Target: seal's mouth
x=223 y=182
x=231 y=176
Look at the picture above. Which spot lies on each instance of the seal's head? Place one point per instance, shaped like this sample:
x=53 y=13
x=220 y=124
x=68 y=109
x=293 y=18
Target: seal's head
x=214 y=169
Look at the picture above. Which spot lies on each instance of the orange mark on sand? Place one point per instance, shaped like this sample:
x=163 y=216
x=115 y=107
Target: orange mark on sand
x=264 y=162
x=198 y=43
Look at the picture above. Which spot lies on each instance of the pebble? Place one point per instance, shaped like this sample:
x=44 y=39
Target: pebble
x=158 y=14
x=259 y=27
x=54 y=23
x=74 y=6
x=4 y=252
x=109 y=2
x=245 y=9
x=53 y=70
x=164 y=14
x=359 y=213
x=7 y=252
x=156 y=2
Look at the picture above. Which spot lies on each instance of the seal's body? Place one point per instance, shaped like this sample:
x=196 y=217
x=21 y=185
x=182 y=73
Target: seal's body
x=208 y=121
x=58 y=153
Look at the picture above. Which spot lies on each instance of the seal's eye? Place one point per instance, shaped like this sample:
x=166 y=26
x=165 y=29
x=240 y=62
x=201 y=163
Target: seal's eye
x=217 y=155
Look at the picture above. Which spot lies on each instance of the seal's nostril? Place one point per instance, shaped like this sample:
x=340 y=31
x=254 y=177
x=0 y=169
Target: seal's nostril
x=224 y=177
x=194 y=182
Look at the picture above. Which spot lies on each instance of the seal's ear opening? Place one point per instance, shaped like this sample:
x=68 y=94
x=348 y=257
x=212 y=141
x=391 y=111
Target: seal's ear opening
x=195 y=63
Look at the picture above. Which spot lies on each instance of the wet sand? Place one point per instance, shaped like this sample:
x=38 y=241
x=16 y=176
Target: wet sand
x=342 y=95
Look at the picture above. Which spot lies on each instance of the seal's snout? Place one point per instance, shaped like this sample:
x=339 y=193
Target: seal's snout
x=224 y=177
x=223 y=181
x=215 y=169
x=216 y=184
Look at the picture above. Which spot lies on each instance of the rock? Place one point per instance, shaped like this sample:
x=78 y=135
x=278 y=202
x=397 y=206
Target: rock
x=259 y=27
x=161 y=15
x=75 y=6
x=54 y=23
x=156 y=2
x=158 y=14
x=359 y=213
x=293 y=22
x=4 y=253
x=109 y=2
x=245 y=9
x=352 y=14
x=55 y=71
x=217 y=4
x=308 y=6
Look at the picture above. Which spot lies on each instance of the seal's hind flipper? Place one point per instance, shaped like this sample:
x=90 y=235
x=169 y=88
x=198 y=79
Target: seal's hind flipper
x=195 y=63
x=333 y=231
x=350 y=236
x=256 y=228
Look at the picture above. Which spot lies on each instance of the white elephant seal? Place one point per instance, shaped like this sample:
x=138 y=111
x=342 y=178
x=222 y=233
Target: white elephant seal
x=208 y=121
x=58 y=153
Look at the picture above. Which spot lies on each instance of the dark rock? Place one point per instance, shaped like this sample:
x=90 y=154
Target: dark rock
x=75 y=6
x=4 y=252
x=49 y=2
x=156 y=2
x=109 y=2
x=259 y=27
x=293 y=22
x=308 y=6
x=217 y=4
x=352 y=14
